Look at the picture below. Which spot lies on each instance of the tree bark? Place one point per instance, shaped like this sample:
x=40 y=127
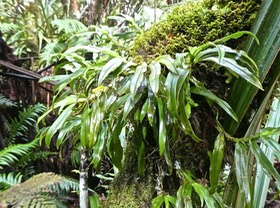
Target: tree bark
x=83 y=180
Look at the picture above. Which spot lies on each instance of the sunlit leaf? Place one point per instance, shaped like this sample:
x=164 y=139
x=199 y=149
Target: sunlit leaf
x=154 y=76
x=167 y=61
x=241 y=166
x=137 y=79
x=162 y=126
x=109 y=67
x=263 y=160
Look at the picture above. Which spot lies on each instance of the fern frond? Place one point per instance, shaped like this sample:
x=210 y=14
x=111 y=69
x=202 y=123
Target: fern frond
x=9 y=179
x=5 y=123
x=32 y=156
x=69 y=26
x=49 y=53
x=8 y=27
x=6 y=102
x=39 y=189
x=25 y=119
x=13 y=153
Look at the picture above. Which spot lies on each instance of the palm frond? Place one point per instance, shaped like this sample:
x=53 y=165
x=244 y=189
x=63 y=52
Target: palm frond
x=13 y=153
x=41 y=189
x=9 y=179
x=25 y=119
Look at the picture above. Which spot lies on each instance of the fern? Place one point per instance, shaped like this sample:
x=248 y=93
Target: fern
x=6 y=102
x=9 y=179
x=8 y=27
x=69 y=26
x=25 y=119
x=32 y=156
x=13 y=153
x=42 y=190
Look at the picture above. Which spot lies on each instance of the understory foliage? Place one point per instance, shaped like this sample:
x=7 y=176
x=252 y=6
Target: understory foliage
x=42 y=190
x=158 y=116
x=16 y=163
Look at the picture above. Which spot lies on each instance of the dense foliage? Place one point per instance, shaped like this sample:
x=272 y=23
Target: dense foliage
x=154 y=108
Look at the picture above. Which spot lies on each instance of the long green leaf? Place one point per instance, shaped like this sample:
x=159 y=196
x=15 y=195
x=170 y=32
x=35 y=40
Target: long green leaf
x=266 y=28
x=271 y=149
x=204 y=195
x=137 y=79
x=167 y=61
x=208 y=94
x=154 y=76
x=109 y=67
x=174 y=84
x=263 y=160
x=216 y=160
x=59 y=122
x=162 y=126
x=235 y=68
x=241 y=167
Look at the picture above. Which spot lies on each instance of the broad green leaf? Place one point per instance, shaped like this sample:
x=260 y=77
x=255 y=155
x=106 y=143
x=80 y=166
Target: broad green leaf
x=137 y=79
x=184 y=196
x=162 y=126
x=216 y=160
x=208 y=94
x=241 y=167
x=204 y=195
x=94 y=201
x=167 y=61
x=263 y=160
x=154 y=76
x=157 y=202
x=170 y=199
x=59 y=122
x=109 y=67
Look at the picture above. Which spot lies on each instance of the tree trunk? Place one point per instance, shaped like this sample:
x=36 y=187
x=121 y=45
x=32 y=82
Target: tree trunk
x=83 y=180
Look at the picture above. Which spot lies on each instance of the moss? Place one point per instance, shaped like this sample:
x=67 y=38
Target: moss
x=133 y=193
x=193 y=24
